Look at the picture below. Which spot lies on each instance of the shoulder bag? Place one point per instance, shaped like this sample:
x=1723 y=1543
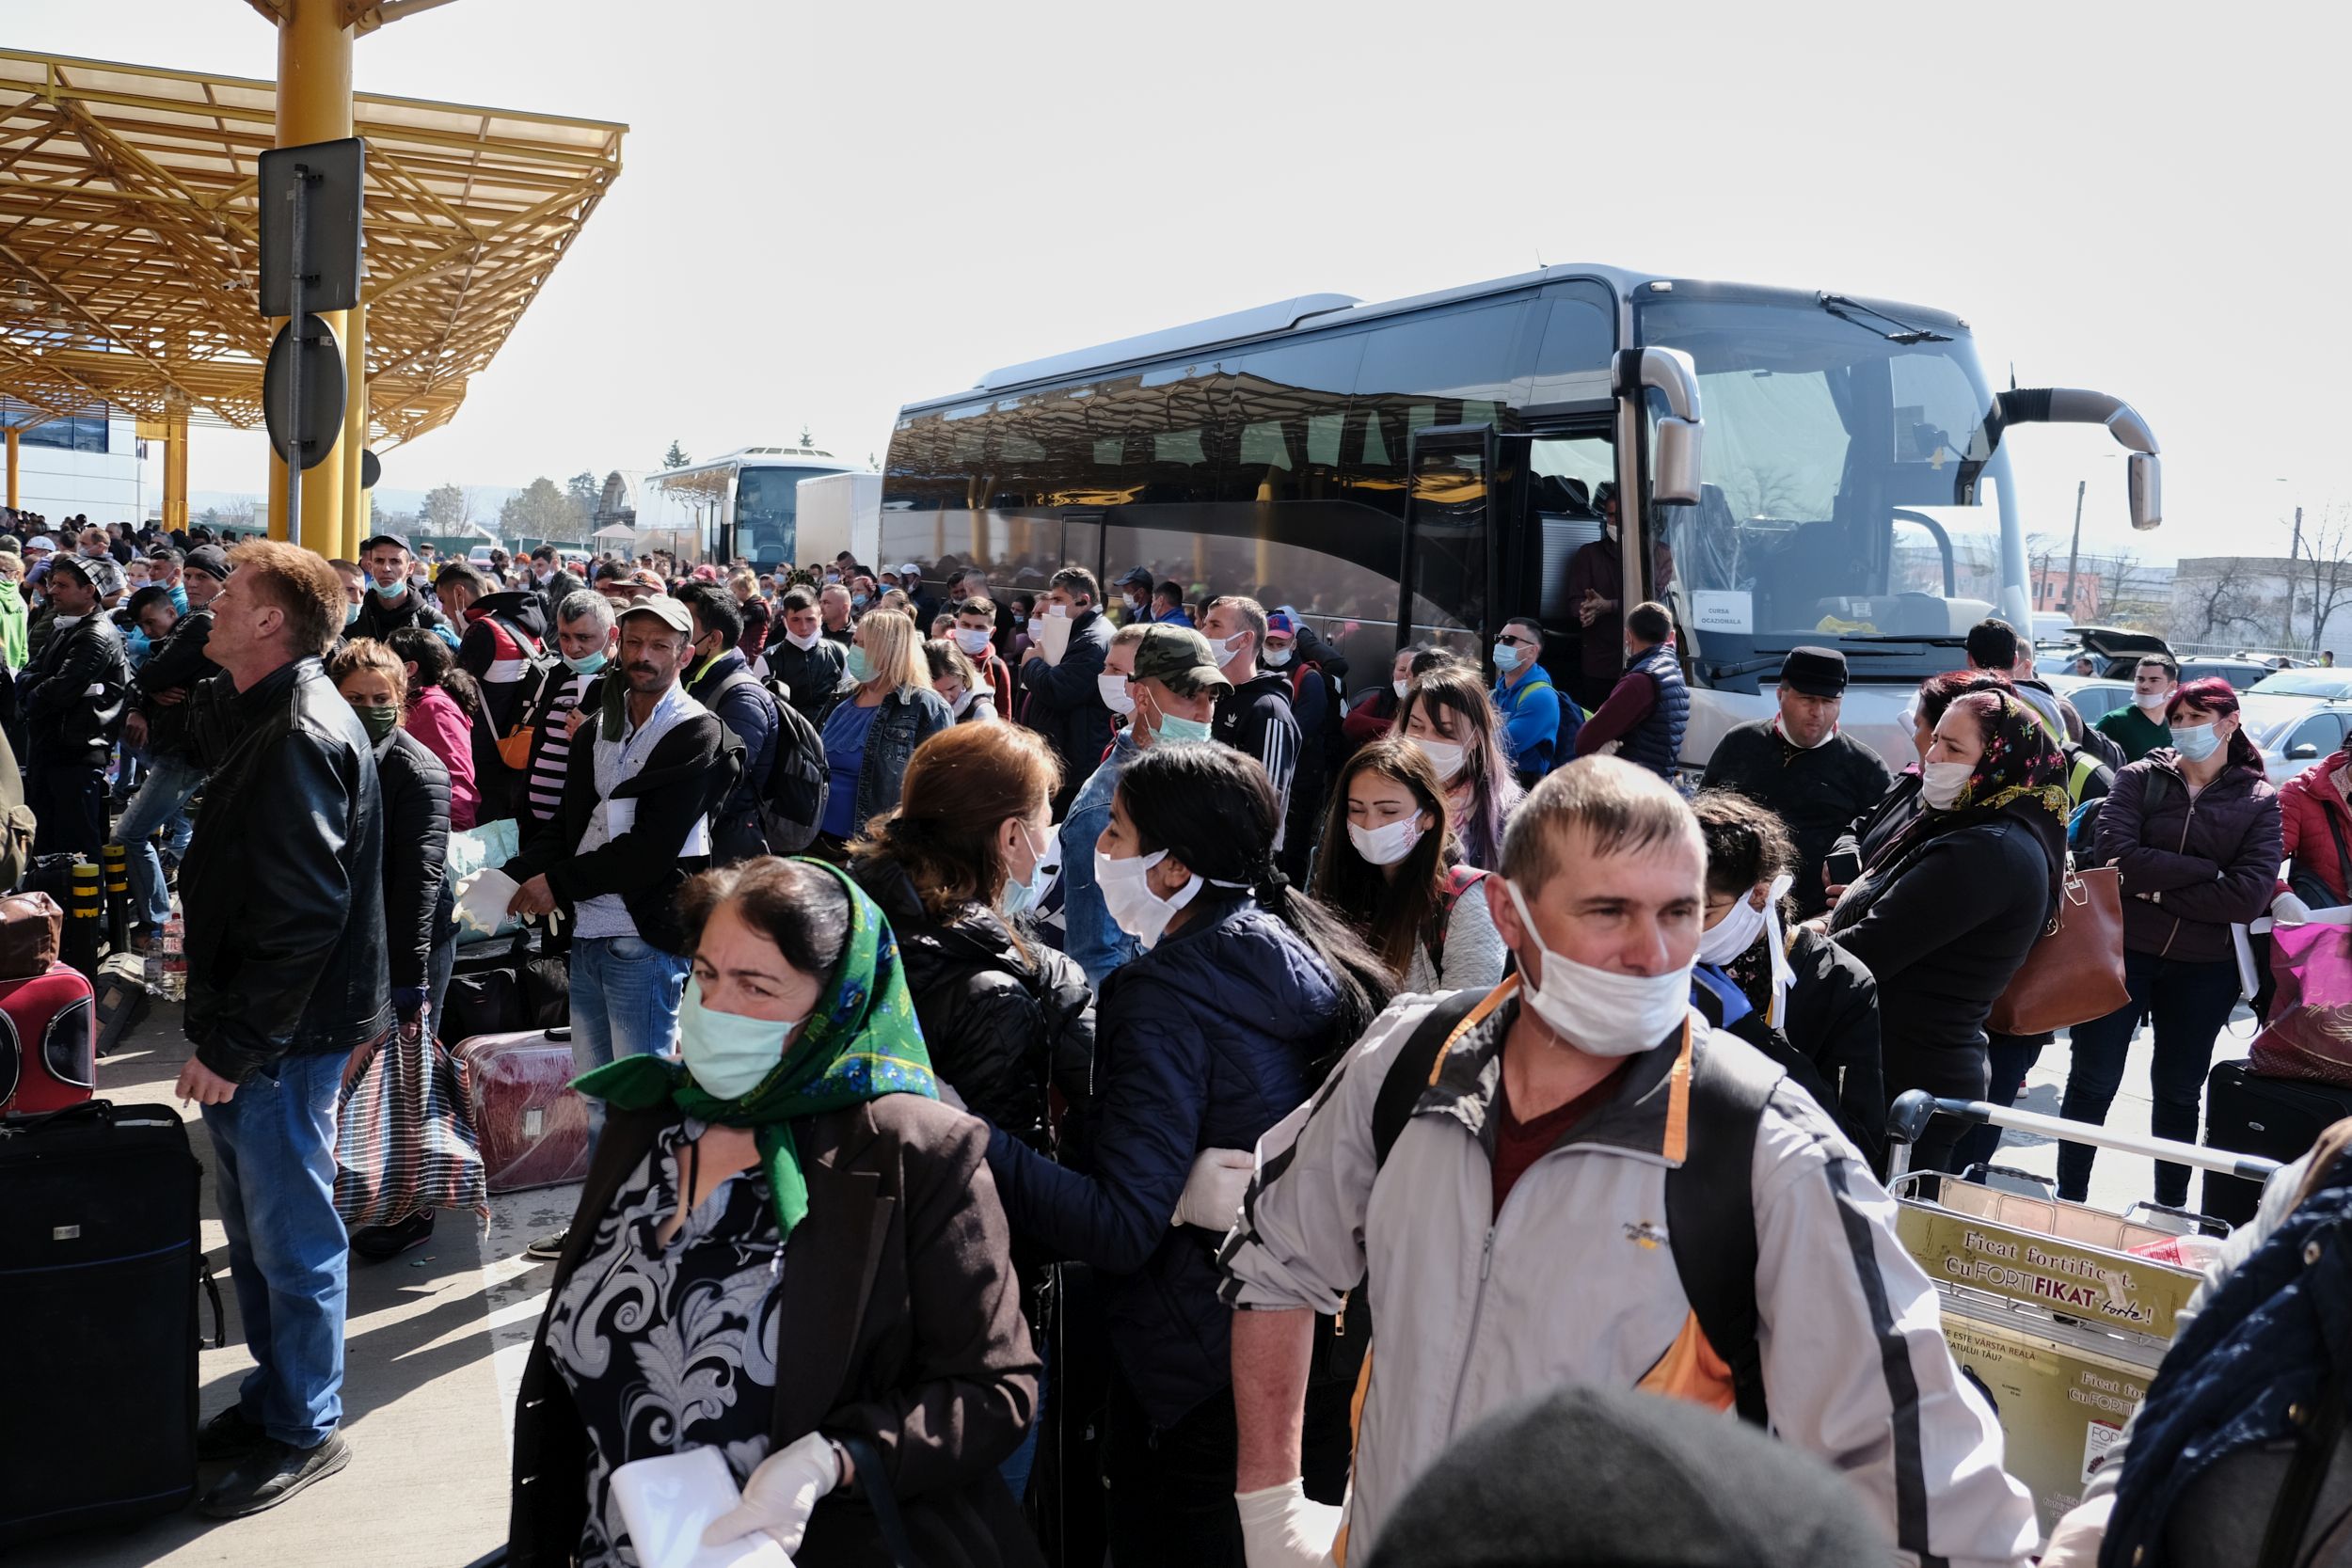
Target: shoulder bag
x=2074 y=971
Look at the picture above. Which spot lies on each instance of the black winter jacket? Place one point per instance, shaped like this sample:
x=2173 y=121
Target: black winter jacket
x=1828 y=1039
x=65 y=720
x=180 y=665
x=750 y=712
x=416 y=851
x=2191 y=867
x=1816 y=793
x=673 y=790
x=1001 y=1026
x=379 y=620
x=1065 y=704
x=813 y=675
x=283 y=881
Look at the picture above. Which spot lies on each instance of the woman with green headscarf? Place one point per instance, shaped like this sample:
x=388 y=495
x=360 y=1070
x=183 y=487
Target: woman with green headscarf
x=832 y=1307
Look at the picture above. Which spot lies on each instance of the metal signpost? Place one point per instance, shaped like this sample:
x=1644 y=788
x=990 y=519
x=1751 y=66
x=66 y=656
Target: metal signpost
x=311 y=223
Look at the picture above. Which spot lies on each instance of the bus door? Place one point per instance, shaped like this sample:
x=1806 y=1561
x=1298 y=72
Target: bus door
x=1552 y=488
x=1447 y=590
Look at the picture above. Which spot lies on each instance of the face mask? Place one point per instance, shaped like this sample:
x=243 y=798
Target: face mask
x=1733 y=935
x=972 y=640
x=726 y=1053
x=1018 y=896
x=831 y=577
x=1278 y=657
x=394 y=591
x=861 y=667
x=1037 y=630
x=1174 y=731
x=1059 y=612
x=1387 y=844
x=1138 y=606
x=587 y=666
x=1229 y=647
x=1507 y=658
x=421 y=583
x=351 y=613
x=1940 y=783
x=803 y=644
x=1445 y=755
x=379 y=721
x=545 y=577
x=1399 y=687
x=1740 y=928
x=857 y=601
x=1597 y=1010
x=2195 y=742
x=1115 y=694
x=2154 y=702
x=1127 y=894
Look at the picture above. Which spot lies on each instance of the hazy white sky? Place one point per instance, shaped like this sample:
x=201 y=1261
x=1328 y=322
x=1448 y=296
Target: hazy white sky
x=827 y=210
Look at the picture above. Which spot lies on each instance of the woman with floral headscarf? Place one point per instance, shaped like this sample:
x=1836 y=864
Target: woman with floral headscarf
x=787 y=1250
x=1948 y=906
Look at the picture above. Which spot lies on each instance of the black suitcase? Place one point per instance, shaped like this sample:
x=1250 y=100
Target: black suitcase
x=99 y=1272
x=2278 y=1117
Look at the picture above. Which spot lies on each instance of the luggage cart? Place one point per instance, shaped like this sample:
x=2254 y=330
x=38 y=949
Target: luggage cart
x=2058 y=1312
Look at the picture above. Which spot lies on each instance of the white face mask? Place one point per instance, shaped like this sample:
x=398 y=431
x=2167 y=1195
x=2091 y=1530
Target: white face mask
x=972 y=640
x=1599 y=1011
x=1737 y=930
x=2153 y=702
x=1389 y=843
x=1115 y=694
x=1940 y=783
x=1127 y=896
x=1278 y=657
x=1399 y=687
x=803 y=644
x=1226 y=648
x=1445 y=755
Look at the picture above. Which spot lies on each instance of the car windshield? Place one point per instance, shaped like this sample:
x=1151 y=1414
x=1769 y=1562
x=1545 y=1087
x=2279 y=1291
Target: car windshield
x=2304 y=683
x=1828 y=472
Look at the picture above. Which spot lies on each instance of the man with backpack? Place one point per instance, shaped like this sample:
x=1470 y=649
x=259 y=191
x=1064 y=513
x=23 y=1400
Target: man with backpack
x=1315 y=706
x=720 y=679
x=1693 y=1225
x=502 y=645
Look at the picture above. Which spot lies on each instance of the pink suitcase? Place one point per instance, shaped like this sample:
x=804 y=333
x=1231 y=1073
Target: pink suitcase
x=531 y=1125
x=48 y=1041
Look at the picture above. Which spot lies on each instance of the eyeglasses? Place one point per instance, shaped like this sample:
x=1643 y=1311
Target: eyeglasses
x=1515 y=641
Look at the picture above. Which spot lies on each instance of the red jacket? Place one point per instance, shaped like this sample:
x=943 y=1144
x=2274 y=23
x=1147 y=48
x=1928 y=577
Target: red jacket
x=2306 y=802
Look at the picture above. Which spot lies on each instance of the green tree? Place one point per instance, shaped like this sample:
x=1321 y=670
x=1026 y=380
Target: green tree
x=448 y=508
x=675 y=457
x=582 y=492
x=539 y=511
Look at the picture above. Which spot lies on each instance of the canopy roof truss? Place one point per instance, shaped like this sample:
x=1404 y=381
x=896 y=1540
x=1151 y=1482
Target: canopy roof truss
x=130 y=241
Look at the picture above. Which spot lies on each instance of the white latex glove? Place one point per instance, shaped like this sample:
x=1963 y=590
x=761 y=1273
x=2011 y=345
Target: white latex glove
x=1281 y=1529
x=781 y=1494
x=1214 y=1191
x=483 y=899
x=2287 y=906
x=2075 y=1542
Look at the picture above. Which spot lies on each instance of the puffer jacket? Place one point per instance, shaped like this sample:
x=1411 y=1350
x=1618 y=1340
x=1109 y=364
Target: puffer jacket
x=2191 y=867
x=2307 y=803
x=283 y=881
x=416 y=852
x=1001 y=1024
x=1571 y=1281
x=1205 y=1041
x=908 y=716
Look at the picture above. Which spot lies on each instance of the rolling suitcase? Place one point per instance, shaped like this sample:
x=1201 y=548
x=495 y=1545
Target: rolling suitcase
x=99 y=1266
x=530 y=1123
x=2279 y=1117
x=48 y=1041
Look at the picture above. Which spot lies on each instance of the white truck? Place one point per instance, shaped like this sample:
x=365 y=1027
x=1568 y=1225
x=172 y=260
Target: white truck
x=840 y=512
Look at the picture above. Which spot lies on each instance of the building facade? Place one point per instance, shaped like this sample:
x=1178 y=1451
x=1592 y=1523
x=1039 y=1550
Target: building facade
x=92 y=464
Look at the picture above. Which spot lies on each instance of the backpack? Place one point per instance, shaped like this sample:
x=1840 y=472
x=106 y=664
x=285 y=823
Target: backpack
x=792 y=796
x=1710 y=1197
x=1458 y=881
x=531 y=691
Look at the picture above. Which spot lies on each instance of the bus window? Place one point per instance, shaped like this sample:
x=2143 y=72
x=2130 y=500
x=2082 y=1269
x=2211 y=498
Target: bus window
x=1448 y=545
x=1349 y=601
x=1563 y=475
x=1579 y=335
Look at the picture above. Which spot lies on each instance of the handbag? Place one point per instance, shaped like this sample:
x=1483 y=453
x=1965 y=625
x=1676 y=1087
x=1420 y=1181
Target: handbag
x=31 y=925
x=2309 y=1034
x=2074 y=971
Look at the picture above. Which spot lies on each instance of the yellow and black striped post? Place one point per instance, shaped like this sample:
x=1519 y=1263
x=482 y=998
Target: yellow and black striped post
x=80 y=920
x=118 y=869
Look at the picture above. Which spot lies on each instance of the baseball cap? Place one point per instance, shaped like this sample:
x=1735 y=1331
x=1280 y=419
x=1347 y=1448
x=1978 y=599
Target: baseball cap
x=1180 y=657
x=40 y=542
x=211 y=560
x=369 y=544
x=1279 y=622
x=671 y=615
x=910 y=570
x=1140 y=577
x=1815 y=672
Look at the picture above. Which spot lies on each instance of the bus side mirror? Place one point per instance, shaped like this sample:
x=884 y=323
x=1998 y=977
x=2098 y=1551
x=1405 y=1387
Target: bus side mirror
x=2145 y=477
x=1677 y=481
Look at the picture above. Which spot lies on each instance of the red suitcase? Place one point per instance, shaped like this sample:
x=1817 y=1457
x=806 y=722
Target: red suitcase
x=529 y=1122
x=48 y=1041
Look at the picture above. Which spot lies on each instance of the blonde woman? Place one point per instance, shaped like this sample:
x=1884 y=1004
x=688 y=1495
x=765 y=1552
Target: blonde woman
x=744 y=585
x=871 y=733
x=959 y=682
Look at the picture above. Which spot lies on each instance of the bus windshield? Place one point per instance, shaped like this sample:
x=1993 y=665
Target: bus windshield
x=1829 y=467
x=767 y=502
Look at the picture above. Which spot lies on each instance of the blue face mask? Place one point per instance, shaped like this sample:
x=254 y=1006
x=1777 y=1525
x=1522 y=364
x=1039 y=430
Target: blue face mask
x=588 y=666
x=179 y=600
x=1019 y=897
x=394 y=591
x=861 y=668
x=727 y=1054
x=351 y=613
x=857 y=601
x=1507 y=658
x=2195 y=742
x=1174 y=730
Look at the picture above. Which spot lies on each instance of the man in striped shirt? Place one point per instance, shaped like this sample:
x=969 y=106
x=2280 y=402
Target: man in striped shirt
x=583 y=635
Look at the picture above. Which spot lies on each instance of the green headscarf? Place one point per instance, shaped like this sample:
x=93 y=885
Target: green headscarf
x=860 y=1042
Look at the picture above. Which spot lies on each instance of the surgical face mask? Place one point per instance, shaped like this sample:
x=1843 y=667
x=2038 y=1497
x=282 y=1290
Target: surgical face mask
x=2195 y=742
x=1278 y=657
x=1114 y=694
x=545 y=575
x=1400 y=688
x=1227 y=648
x=726 y=1053
x=857 y=601
x=1940 y=783
x=1176 y=731
x=1059 y=611
x=379 y=721
x=420 y=582
x=1445 y=755
x=586 y=666
x=973 y=641
x=1020 y=897
x=1597 y=1010
x=1507 y=658
x=1389 y=843
x=2153 y=702
x=831 y=577
x=1734 y=934
x=394 y=591
x=1127 y=896
x=351 y=613
x=861 y=667
x=1037 y=628
x=803 y=644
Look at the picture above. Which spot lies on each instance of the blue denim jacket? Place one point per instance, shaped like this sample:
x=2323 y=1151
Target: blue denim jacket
x=1089 y=934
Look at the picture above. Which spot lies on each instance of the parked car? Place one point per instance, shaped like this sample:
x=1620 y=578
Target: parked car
x=2310 y=681
x=479 y=558
x=2094 y=697
x=2243 y=674
x=2293 y=734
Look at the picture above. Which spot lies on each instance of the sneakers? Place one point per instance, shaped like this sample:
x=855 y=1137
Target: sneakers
x=228 y=1436
x=271 y=1474
x=548 y=1248
x=375 y=1243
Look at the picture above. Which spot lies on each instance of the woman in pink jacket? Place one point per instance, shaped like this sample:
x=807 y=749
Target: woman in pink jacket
x=443 y=702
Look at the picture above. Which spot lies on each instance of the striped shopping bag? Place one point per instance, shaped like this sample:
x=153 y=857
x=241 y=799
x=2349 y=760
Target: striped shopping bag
x=403 y=1144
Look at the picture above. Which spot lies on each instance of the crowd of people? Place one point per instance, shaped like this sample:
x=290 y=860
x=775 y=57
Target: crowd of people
x=1072 y=968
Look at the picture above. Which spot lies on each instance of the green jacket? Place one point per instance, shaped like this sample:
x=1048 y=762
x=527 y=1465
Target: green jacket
x=2133 y=730
x=13 y=652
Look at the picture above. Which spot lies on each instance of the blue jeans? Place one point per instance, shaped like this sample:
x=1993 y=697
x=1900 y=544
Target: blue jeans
x=273 y=1167
x=161 y=802
x=624 y=1000
x=2188 y=1003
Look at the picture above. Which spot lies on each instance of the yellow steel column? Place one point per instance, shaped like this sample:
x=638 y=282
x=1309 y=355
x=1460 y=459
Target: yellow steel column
x=355 y=430
x=12 y=456
x=176 y=470
x=313 y=105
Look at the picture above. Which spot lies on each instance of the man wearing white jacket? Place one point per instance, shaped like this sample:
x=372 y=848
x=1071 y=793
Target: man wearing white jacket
x=1519 y=1231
